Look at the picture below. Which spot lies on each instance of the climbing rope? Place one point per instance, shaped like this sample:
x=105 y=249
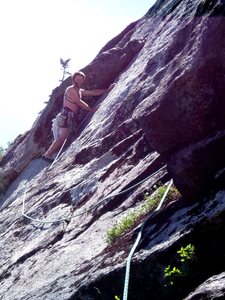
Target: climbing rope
x=38 y=220
x=127 y=274
x=120 y=193
x=58 y=154
x=71 y=131
x=93 y=206
x=54 y=161
x=23 y=206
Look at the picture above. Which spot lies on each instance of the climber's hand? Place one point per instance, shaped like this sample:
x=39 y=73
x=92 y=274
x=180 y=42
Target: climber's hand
x=111 y=87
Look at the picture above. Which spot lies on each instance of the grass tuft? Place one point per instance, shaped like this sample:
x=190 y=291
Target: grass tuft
x=150 y=203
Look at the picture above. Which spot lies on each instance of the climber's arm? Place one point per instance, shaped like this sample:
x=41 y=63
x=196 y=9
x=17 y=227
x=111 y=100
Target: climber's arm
x=97 y=92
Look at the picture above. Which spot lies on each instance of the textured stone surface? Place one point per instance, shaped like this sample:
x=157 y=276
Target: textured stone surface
x=167 y=108
x=184 y=100
x=213 y=288
x=198 y=165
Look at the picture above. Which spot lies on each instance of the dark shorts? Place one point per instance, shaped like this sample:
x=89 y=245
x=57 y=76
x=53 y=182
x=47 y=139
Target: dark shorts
x=66 y=119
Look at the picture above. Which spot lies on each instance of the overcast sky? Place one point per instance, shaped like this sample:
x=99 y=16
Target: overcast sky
x=35 y=34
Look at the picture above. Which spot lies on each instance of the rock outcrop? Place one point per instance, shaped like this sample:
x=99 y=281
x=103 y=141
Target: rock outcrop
x=186 y=104
x=163 y=120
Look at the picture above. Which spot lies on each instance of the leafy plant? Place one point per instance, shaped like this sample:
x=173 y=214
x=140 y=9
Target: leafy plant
x=171 y=273
x=186 y=255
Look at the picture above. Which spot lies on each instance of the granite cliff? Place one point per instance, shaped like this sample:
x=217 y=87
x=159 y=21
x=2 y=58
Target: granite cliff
x=163 y=120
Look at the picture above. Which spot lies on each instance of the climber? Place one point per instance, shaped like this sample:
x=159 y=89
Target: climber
x=66 y=119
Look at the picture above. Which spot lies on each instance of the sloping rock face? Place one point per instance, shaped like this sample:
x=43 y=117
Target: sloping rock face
x=163 y=120
x=185 y=107
x=213 y=288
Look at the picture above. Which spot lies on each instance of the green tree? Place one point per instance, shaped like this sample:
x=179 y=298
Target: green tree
x=1 y=151
x=65 y=66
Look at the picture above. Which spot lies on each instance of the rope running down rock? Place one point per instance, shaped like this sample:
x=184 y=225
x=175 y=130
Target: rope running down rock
x=127 y=274
x=93 y=206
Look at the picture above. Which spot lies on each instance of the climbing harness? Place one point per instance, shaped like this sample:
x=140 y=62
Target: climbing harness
x=65 y=118
x=93 y=206
x=127 y=274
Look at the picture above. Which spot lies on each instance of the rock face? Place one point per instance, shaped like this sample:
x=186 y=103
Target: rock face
x=213 y=288
x=187 y=102
x=164 y=119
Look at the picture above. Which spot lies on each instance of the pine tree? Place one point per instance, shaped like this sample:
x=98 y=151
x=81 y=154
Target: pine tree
x=65 y=66
x=1 y=151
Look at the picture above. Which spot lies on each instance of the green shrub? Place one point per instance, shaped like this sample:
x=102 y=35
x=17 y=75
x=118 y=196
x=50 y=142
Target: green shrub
x=150 y=203
x=186 y=253
x=118 y=229
x=171 y=273
x=186 y=256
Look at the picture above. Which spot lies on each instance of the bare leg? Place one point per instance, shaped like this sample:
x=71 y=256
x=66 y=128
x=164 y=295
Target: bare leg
x=55 y=146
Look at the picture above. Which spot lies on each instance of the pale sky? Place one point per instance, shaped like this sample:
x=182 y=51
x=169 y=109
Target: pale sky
x=35 y=34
